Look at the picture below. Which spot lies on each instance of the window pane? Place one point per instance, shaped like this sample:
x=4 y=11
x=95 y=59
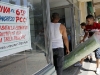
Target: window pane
x=29 y=61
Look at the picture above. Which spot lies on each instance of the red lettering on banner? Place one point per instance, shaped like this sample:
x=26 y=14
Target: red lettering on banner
x=0 y=39
x=4 y=9
x=6 y=33
x=17 y=19
x=19 y=37
x=6 y=39
x=20 y=19
x=1 y=8
x=10 y=38
x=17 y=12
x=20 y=12
x=24 y=19
x=18 y=32
x=20 y=27
x=23 y=12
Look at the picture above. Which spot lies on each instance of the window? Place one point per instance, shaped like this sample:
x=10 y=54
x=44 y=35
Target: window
x=29 y=61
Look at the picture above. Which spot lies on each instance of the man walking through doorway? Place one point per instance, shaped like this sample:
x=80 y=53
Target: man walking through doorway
x=58 y=35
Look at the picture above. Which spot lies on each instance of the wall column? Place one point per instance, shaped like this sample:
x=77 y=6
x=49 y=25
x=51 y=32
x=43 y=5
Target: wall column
x=83 y=11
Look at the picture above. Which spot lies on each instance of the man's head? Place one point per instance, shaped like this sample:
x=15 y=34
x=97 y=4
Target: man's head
x=83 y=25
x=90 y=19
x=55 y=17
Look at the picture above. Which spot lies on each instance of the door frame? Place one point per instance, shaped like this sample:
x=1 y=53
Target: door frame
x=72 y=22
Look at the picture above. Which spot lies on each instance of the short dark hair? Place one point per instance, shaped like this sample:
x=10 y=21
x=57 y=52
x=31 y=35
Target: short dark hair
x=83 y=24
x=90 y=17
x=55 y=15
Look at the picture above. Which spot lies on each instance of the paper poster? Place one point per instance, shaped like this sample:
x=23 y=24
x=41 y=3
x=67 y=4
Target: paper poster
x=14 y=29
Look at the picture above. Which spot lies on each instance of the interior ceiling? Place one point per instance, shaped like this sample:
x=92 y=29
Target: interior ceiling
x=96 y=4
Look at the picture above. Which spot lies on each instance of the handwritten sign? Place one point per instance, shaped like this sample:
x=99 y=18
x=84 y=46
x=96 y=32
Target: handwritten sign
x=14 y=29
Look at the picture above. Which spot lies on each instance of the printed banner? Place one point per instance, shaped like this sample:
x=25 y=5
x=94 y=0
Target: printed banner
x=14 y=29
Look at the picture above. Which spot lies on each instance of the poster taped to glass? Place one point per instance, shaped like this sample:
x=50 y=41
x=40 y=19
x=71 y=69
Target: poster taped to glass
x=14 y=29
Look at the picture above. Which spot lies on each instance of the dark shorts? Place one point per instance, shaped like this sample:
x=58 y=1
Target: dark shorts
x=97 y=53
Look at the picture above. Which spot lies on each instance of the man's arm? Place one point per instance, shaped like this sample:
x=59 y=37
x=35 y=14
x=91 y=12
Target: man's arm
x=86 y=35
x=65 y=38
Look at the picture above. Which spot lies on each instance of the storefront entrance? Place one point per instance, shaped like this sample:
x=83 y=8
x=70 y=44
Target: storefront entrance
x=30 y=61
x=66 y=18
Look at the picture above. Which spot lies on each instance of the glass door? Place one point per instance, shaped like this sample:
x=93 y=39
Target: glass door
x=29 y=62
x=67 y=19
x=70 y=26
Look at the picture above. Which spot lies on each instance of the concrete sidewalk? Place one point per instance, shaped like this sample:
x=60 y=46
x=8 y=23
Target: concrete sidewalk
x=71 y=71
x=28 y=63
x=88 y=68
x=25 y=63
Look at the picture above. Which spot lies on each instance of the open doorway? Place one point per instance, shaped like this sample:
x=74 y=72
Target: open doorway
x=66 y=16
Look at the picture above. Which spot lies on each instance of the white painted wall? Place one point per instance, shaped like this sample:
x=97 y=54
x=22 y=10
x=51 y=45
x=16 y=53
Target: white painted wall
x=83 y=11
x=84 y=0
